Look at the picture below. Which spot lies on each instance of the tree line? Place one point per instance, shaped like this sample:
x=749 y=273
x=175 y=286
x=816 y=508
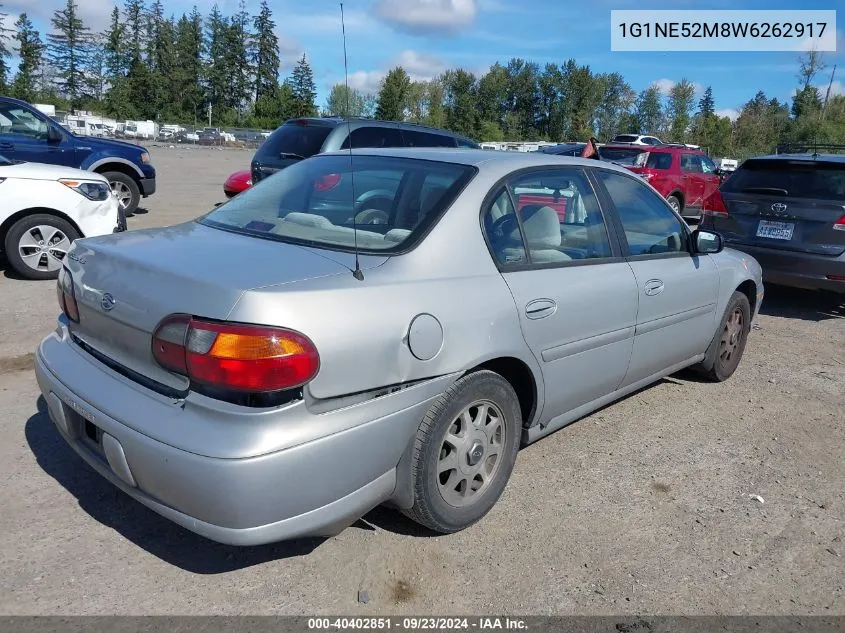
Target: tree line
x=147 y=65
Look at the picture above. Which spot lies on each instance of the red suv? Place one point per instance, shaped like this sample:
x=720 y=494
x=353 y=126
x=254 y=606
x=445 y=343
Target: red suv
x=686 y=177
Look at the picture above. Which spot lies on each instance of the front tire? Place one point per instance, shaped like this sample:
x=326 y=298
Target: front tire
x=464 y=452
x=728 y=344
x=126 y=189
x=37 y=244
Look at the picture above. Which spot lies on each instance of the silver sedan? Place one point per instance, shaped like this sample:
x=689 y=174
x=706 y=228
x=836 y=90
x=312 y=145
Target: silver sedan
x=381 y=326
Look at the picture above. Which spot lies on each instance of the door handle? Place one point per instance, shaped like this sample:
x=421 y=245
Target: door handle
x=540 y=308
x=5 y=145
x=653 y=287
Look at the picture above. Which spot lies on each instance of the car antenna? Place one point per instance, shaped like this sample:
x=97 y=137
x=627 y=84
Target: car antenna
x=357 y=273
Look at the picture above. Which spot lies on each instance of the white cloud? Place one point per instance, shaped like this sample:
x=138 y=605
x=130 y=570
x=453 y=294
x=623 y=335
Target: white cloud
x=731 y=113
x=367 y=81
x=327 y=23
x=290 y=50
x=664 y=86
x=427 y=17
x=420 y=66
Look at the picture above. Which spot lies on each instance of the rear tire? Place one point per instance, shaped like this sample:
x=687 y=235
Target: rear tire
x=675 y=203
x=728 y=344
x=36 y=245
x=126 y=189
x=464 y=452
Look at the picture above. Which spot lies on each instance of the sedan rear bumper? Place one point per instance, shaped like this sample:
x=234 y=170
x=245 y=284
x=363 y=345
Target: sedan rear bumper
x=313 y=488
x=798 y=270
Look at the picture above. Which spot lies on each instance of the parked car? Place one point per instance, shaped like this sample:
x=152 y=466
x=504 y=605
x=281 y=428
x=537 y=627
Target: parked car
x=236 y=183
x=324 y=366
x=303 y=138
x=788 y=211
x=637 y=139
x=29 y=135
x=688 y=178
x=44 y=208
x=564 y=149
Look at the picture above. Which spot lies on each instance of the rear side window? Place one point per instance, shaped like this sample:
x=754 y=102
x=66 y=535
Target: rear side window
x=659 y=160
x=816 y=180
x=415 y=138
x=690 y=163
x=374 y=137
x=299 y=140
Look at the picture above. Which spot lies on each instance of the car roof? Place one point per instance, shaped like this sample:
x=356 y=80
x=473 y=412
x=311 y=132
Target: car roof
x=505 y=162
x=335 y=121
x=828 y=158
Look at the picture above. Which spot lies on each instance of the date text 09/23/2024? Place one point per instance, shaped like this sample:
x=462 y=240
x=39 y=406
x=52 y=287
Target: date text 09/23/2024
x=416 y=624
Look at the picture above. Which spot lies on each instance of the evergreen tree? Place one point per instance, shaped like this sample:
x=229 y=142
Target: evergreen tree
x=5 y=53
x=238 y=59
x=216 y=73
x=265 y=51
x=133 y=12
x=117 y=54
x=30 y=50
x=706 y=105
x=393 y=95
x=304 y=90
x=69 y=48
x=97 y=79
x=189 y=51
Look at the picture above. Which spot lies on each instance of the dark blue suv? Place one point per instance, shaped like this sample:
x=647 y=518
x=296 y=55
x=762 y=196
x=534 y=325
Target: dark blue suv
x=26 y=134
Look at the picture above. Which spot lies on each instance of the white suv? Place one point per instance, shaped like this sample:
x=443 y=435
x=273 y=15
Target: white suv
x=637 y=139
x=43 y=208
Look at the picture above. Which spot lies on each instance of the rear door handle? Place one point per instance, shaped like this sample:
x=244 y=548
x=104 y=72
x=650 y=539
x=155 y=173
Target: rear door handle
x=653 y=287
x=540 y=308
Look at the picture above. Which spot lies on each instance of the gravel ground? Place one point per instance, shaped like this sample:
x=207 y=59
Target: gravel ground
x=642 y=507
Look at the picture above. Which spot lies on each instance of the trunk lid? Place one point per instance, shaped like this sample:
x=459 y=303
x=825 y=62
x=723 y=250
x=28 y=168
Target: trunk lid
x=188 y=268
x=785 y=204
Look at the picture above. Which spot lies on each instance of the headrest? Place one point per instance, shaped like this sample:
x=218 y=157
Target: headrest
x=308 y=219
x=541 y=226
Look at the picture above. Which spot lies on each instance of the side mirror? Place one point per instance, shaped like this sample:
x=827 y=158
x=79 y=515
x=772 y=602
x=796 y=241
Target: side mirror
x=53 y=135
x=707 y=243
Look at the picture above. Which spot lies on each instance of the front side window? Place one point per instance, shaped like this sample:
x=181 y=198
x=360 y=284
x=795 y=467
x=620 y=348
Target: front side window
x=650 y=226
x=557 y=219
x=389 y=202
x=16 y=121
x=707 y=165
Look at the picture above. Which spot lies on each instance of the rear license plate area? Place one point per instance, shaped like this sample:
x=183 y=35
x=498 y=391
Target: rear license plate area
x=775 y=230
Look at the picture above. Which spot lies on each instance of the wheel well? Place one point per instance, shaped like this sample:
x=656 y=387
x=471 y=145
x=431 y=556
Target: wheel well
x=518 y=374
x=679 y=196
x=123 y=169
x=9 y=222
x=749 y=289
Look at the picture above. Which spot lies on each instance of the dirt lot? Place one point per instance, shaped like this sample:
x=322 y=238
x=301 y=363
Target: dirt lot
x=643 y=507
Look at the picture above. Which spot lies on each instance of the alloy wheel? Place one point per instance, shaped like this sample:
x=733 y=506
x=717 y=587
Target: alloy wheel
x=122 y=193
x=43 y=248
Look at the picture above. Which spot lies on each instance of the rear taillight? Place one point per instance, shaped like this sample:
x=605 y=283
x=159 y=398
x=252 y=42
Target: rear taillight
x=840 y=224
x=67 y=296
x=233 y=356
x=714 y=205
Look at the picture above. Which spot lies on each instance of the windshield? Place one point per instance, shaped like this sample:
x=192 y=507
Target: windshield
x=817 y=180
x=623 y=155
x=311 y=202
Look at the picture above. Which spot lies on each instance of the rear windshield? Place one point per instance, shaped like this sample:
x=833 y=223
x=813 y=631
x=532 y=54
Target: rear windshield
x=625 y=138
x=396 y=200
x=622 y=155
x=297 y=140
x=817 y=180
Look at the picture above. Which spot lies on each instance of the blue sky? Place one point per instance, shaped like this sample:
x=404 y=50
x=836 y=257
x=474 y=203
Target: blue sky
x=427 y=36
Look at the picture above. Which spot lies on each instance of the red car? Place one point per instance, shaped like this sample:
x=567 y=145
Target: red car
x=237 y=182
x=687 y=177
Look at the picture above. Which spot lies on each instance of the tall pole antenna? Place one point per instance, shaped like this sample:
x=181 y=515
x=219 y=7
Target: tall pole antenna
x=827 y=95
x=357 y=273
